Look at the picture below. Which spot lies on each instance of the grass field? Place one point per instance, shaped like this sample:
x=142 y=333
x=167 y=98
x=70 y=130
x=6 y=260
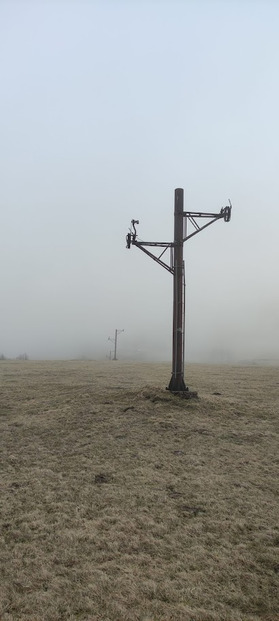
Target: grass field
x=122 y=502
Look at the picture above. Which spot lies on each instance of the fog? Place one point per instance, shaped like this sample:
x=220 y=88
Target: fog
x=106 y=108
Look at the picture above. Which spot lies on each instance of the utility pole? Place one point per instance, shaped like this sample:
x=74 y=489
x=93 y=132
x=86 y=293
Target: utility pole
x=178 y=332
x=115 y=342
x=181 y=217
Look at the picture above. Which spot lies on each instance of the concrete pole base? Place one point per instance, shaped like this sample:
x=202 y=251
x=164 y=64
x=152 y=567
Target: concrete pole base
x=185 y=394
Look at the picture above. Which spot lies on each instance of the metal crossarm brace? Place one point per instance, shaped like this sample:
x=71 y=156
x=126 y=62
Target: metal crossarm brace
x=141 y=245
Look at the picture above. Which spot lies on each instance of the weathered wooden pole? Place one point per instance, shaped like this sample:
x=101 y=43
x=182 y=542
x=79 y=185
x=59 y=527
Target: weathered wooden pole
x=177 y=383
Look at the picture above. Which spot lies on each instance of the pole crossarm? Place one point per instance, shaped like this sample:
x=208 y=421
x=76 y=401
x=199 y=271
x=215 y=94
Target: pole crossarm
x=201 y=214
x=199 y=228
x=165 y=245
x=224 y=214
x=159 y=244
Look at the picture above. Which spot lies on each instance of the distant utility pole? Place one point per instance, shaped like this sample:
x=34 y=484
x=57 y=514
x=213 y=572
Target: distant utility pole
x=176 y=268
x=115 y=342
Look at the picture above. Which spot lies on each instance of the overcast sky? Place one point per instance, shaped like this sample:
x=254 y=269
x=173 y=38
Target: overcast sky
x=106 y=108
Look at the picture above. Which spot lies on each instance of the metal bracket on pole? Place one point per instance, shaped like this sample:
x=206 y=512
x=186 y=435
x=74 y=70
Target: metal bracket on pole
x=177 y=384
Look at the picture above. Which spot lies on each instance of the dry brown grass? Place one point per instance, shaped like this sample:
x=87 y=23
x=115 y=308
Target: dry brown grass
x=121 y=502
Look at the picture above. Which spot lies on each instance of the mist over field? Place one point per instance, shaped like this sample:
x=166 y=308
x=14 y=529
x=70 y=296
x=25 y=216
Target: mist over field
x=106 y=108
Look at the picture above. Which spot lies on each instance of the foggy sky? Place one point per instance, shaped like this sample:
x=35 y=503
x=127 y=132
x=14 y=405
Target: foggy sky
x=106 y=108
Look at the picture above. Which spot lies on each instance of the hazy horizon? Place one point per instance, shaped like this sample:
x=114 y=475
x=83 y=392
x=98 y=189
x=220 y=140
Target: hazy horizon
x=106 y=108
